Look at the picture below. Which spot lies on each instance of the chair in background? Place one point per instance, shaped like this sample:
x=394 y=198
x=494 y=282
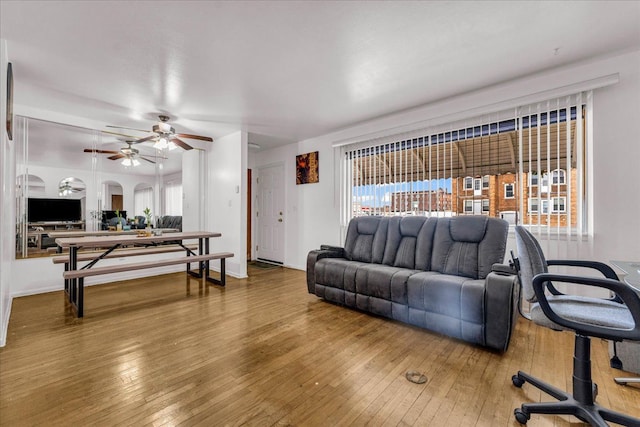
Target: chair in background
x=616 y=319
x=140 y=224
x=113 y=222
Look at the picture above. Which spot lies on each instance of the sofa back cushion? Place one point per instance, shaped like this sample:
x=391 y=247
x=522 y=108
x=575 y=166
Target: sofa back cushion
x=366 y=238
x=468 y=245
x=409 y=242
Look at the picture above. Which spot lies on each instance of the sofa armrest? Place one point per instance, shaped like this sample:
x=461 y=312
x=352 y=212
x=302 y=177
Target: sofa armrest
x=333 y=249
x=325 y=251
x=501 y=301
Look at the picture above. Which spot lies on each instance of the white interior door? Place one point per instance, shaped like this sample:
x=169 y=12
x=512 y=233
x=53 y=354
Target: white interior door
x=270 y=214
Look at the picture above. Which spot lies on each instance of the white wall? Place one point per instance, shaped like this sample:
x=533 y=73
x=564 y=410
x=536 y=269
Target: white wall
x=616 y=166
x=193 y=167
x=226 y=199
x=615 y=172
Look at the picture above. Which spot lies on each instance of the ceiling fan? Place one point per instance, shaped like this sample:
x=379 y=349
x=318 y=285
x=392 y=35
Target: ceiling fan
x=164 y=135
x=128 y=153
x=66 y=186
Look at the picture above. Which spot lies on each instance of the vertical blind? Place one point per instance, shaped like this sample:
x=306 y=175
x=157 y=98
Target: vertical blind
x=173 y=198
x=142 y=198
x=525 y=165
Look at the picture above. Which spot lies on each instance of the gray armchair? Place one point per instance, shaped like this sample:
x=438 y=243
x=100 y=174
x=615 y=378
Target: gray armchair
x=617 y=319
x=113 y=222
x=140 y=224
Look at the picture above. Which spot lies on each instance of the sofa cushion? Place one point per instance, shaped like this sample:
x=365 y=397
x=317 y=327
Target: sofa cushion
x=337 y=273
x=468 y=245
x=451 y=305
x=383 y=282
x=409 y=242
x=366 y=237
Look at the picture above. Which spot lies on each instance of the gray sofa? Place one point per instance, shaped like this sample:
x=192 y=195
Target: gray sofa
x=435 y=273
x=168 y=221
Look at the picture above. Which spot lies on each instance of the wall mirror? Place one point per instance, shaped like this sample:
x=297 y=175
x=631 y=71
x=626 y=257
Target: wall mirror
x=67 y=177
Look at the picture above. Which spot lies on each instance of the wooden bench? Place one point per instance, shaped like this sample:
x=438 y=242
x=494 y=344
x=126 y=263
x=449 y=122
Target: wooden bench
x=77 y=274
x=125 y=252
x=74 y=279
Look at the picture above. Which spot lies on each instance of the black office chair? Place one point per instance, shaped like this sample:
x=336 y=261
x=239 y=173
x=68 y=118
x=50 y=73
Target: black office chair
x=617 y=319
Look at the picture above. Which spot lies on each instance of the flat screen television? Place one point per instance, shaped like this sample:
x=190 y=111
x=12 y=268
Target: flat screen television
x=44 y=210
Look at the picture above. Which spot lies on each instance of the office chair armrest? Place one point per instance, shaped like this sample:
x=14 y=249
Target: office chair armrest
x=600 y=266
x=628 y=296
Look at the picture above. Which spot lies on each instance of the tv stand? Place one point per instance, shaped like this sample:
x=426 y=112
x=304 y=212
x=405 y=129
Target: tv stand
x=38 y=232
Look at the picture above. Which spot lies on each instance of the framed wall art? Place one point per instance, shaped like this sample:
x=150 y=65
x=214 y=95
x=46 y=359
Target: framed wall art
x=9 y=110
x=307 y=168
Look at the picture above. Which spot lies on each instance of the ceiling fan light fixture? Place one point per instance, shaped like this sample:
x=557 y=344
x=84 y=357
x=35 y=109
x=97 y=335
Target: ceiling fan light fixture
x=135 y=162
x=161 y=143
x=171 y=145
x=126 y=162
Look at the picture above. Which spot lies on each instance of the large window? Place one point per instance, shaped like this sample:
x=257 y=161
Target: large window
x=528 y=161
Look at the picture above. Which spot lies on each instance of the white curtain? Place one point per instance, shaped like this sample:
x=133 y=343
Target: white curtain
x=142 y=198
x=173 y=198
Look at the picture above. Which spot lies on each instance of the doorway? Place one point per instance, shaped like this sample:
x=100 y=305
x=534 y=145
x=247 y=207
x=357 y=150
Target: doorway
x=270 y=214
x=116 y=202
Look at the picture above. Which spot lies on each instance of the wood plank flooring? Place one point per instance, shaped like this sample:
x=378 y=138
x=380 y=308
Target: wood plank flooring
x=166 y=351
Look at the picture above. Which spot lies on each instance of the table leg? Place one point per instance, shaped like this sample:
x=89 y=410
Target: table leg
x=73 y=265
x=206 y=263
x=80 y=305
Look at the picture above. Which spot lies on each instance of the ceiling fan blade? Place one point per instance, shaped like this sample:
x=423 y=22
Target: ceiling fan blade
x=119 y=134
x=201 y=138
x=116 y=157
x=122 y=127
x=180 y=143
x=88 y=150
x=148 y=160
x=147 y=138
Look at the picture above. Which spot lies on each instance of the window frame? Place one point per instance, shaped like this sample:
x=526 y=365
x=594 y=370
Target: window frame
x=561 y=176
x=486 y=179
x=513 y=190
x=468 y=183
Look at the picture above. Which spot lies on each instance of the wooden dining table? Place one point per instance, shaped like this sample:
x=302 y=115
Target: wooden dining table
x=74 y=287
x=85 y=233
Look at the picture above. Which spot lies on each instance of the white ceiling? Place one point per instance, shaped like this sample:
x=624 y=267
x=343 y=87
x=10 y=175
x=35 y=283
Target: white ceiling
x=288 y=71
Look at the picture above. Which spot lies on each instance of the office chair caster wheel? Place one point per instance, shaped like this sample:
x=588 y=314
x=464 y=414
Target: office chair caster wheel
x=521 y=417
x=517 y=381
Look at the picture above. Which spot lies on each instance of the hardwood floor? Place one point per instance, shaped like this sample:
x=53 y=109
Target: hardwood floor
x=163 y=351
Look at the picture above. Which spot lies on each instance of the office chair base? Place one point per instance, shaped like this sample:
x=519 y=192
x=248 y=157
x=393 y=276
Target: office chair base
x=625 y=381
x=593 y=414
